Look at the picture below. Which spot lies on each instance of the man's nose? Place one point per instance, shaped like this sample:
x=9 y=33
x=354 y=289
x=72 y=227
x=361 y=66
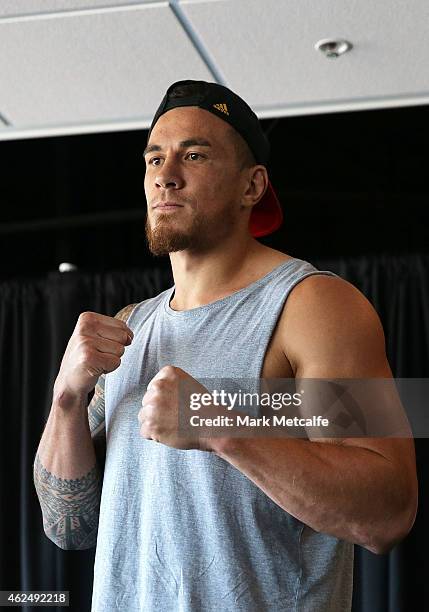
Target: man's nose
x=168 y=176
x=166 y=182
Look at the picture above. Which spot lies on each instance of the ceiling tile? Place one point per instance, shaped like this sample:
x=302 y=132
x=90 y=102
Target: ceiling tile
x=92 y=68
x=10 y=8
x=265 y=50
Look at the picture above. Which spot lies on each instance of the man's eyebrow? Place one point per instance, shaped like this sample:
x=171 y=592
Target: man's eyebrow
x=184 y=143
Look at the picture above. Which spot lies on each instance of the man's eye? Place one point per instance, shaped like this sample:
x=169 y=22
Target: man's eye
x=154 y=159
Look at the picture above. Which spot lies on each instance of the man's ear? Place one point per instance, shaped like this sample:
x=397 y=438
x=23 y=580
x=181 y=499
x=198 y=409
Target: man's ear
x=256 y=186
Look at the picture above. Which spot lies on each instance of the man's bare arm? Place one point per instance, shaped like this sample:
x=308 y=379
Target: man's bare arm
x=363 y=490
x=69 y=465
x=67 y=475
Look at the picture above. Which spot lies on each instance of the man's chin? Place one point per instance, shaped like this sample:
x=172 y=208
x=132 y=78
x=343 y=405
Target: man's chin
x=161 y=250
x=162 y=243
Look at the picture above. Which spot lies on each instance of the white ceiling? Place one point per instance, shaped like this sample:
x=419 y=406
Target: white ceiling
x=75 y=66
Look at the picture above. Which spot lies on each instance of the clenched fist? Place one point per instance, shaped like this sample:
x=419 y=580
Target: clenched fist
x=95 y=347
x=159 y=415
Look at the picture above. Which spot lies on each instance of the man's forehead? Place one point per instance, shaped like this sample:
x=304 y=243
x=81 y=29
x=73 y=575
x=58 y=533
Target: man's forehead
x=189 y=122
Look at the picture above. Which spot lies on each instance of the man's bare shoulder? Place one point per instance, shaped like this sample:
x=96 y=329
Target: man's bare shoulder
x=321 y=294
x=322 y=290
x=329 y=328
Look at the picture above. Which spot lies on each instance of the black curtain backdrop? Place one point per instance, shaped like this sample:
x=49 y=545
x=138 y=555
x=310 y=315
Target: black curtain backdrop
x=37 y=317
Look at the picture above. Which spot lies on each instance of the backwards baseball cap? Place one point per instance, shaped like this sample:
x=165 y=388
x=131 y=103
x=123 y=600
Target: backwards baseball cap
x=266 y=215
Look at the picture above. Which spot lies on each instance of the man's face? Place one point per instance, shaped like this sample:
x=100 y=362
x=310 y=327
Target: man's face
x=192 y=182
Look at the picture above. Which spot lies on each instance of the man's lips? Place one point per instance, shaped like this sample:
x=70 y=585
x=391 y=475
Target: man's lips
x=167 y=205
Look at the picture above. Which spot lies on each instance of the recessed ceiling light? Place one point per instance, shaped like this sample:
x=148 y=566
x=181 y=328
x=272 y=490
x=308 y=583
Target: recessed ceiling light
x=332 y=48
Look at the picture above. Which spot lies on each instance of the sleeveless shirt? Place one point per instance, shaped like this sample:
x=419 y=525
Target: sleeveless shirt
x=184 y=530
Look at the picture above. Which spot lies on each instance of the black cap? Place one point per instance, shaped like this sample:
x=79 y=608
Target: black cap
x=267 y=214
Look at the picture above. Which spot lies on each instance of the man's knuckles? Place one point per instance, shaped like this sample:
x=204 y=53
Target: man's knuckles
x=168 y=372
x=156 y=396
x=148 y=415
x=151 y=426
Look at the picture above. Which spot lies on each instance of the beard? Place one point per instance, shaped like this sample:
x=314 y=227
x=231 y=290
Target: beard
x=164 y=237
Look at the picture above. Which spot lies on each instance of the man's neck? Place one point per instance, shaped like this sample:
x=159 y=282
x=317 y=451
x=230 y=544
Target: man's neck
x=203 y=278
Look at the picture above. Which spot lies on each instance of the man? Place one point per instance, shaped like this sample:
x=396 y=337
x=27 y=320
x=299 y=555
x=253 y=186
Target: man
x=252 y=524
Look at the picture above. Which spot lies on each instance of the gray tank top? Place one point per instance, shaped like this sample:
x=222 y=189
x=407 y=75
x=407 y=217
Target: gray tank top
x=184 y=530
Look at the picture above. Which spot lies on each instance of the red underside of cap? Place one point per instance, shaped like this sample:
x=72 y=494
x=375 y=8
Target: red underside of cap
x=267 y=215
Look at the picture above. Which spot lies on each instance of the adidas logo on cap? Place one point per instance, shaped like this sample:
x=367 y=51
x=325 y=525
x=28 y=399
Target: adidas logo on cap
x=222 y=107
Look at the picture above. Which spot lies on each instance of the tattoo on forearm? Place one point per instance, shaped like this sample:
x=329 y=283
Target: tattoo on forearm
x=96 y=408
x=70 y=508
